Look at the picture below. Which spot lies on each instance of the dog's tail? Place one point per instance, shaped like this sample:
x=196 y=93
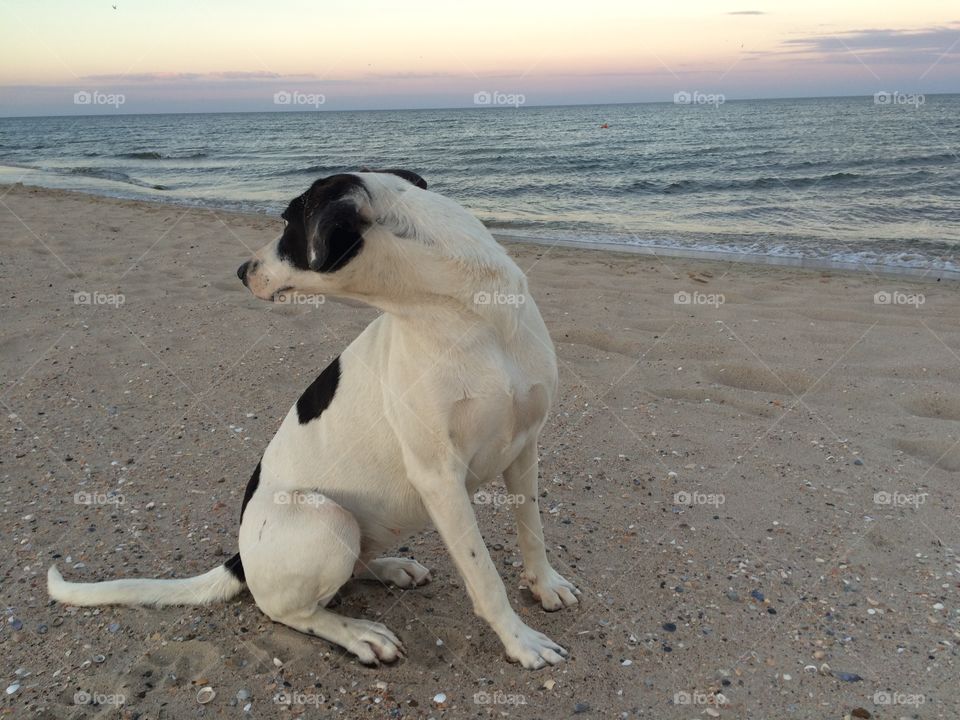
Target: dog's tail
x=222 y=583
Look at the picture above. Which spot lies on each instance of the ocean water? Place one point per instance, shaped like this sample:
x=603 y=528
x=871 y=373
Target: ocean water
x=842 y=180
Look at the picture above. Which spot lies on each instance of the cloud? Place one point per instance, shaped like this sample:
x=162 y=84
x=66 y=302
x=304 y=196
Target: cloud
x=165 y=77
x=747 y=12
x=912 y=46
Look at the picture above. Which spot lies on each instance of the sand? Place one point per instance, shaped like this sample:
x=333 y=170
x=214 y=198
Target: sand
x=756 y=491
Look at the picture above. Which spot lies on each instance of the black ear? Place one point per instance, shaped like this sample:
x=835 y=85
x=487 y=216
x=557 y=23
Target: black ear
x=407 y=175
x=334 y=235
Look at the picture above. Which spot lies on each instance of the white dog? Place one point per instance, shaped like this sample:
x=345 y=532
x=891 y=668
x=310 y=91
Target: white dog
x=442 y=393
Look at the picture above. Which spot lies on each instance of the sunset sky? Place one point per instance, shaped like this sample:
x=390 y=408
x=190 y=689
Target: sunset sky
x=180 y=56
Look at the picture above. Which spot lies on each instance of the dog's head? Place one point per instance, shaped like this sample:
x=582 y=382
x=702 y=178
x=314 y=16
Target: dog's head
x=325 y=231
x=375 y=236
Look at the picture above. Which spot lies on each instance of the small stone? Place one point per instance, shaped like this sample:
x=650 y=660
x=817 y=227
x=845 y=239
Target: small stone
x=243 y=694
x=581 y=708
x=757 y=595
x=247 y=707
x=150 y=505
x=627 y=662
x=858 y=461
x=99 y=659
x=860 y=713
x=278 y=662
x=41 y=629
x=16 y=623
x=440 y=699
x=205 y=695
x=113 y=627
x=11 y=689
x=712 y=712
x=550 y=684
x=846 y=677
x=670 y=627
x=57 y=621
x=731 y=595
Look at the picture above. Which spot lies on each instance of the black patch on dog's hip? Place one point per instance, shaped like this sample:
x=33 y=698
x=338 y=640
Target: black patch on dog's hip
x=320 y=394
x=251 y=489
x=235 y=567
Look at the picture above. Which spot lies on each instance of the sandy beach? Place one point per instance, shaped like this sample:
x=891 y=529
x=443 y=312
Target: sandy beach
x=751 y=473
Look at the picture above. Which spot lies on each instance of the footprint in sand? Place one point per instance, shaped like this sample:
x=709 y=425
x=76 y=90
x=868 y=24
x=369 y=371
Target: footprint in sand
x=944 y=454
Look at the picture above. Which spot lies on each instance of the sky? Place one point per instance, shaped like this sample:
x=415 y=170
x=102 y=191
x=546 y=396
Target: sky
x=60 y=57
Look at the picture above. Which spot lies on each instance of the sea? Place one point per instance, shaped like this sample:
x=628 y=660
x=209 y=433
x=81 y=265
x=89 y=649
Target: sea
x=860 y=182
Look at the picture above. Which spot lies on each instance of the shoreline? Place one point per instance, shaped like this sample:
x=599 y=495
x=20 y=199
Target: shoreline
x=506 y=237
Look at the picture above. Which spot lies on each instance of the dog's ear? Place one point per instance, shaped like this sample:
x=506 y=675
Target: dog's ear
x=407 y=175
x=334 y=234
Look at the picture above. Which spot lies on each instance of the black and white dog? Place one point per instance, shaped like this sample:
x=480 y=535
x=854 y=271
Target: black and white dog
x=445 y=391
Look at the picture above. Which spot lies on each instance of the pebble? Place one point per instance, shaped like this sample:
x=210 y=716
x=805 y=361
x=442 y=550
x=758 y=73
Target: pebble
x=41 y=629
x=860 y=713
x=581 y=708
x=16 y=623
x=243 y=694
x=670 y=627
x=756 y=595
x=550 y=684
x=57 y=621
x=858 y=461
x=278 y=662
x=627 y=663
x=731 y=595
x=846 y=677
x=439 y=698
x=113 y=627
x=205 y=695
x=11 y=689
x=99 y=659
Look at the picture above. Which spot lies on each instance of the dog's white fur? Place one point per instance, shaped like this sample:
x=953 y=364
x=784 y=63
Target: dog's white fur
x=438 y=396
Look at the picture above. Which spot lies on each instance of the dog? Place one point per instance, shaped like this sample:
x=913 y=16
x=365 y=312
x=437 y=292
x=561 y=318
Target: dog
x=445 y=391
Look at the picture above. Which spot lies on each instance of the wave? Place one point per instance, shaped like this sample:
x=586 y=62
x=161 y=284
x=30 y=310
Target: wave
x=154 y=155
x=113 y=175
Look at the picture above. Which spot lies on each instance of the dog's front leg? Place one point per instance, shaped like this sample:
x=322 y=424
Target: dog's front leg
x=547 y=585
x=445 y=497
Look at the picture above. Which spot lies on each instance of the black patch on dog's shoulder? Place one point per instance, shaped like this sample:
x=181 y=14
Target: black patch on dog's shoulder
x=235 y=567
x=326 y=216
x=251 y=489
x=318 y=396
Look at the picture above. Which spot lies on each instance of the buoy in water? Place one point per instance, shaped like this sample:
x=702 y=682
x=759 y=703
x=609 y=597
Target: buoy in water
x=605 y=126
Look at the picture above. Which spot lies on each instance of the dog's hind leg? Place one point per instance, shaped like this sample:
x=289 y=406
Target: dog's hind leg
x=298 y=548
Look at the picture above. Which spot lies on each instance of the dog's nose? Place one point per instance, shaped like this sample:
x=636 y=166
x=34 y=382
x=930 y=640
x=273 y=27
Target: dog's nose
x=243 y=270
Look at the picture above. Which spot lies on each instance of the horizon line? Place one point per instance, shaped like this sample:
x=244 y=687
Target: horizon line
x=455 y=107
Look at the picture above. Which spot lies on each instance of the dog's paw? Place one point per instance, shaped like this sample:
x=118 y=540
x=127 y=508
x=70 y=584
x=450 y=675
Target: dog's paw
x=532 y=649
x=552 y=589
x=402 y=572
x=372 y=642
